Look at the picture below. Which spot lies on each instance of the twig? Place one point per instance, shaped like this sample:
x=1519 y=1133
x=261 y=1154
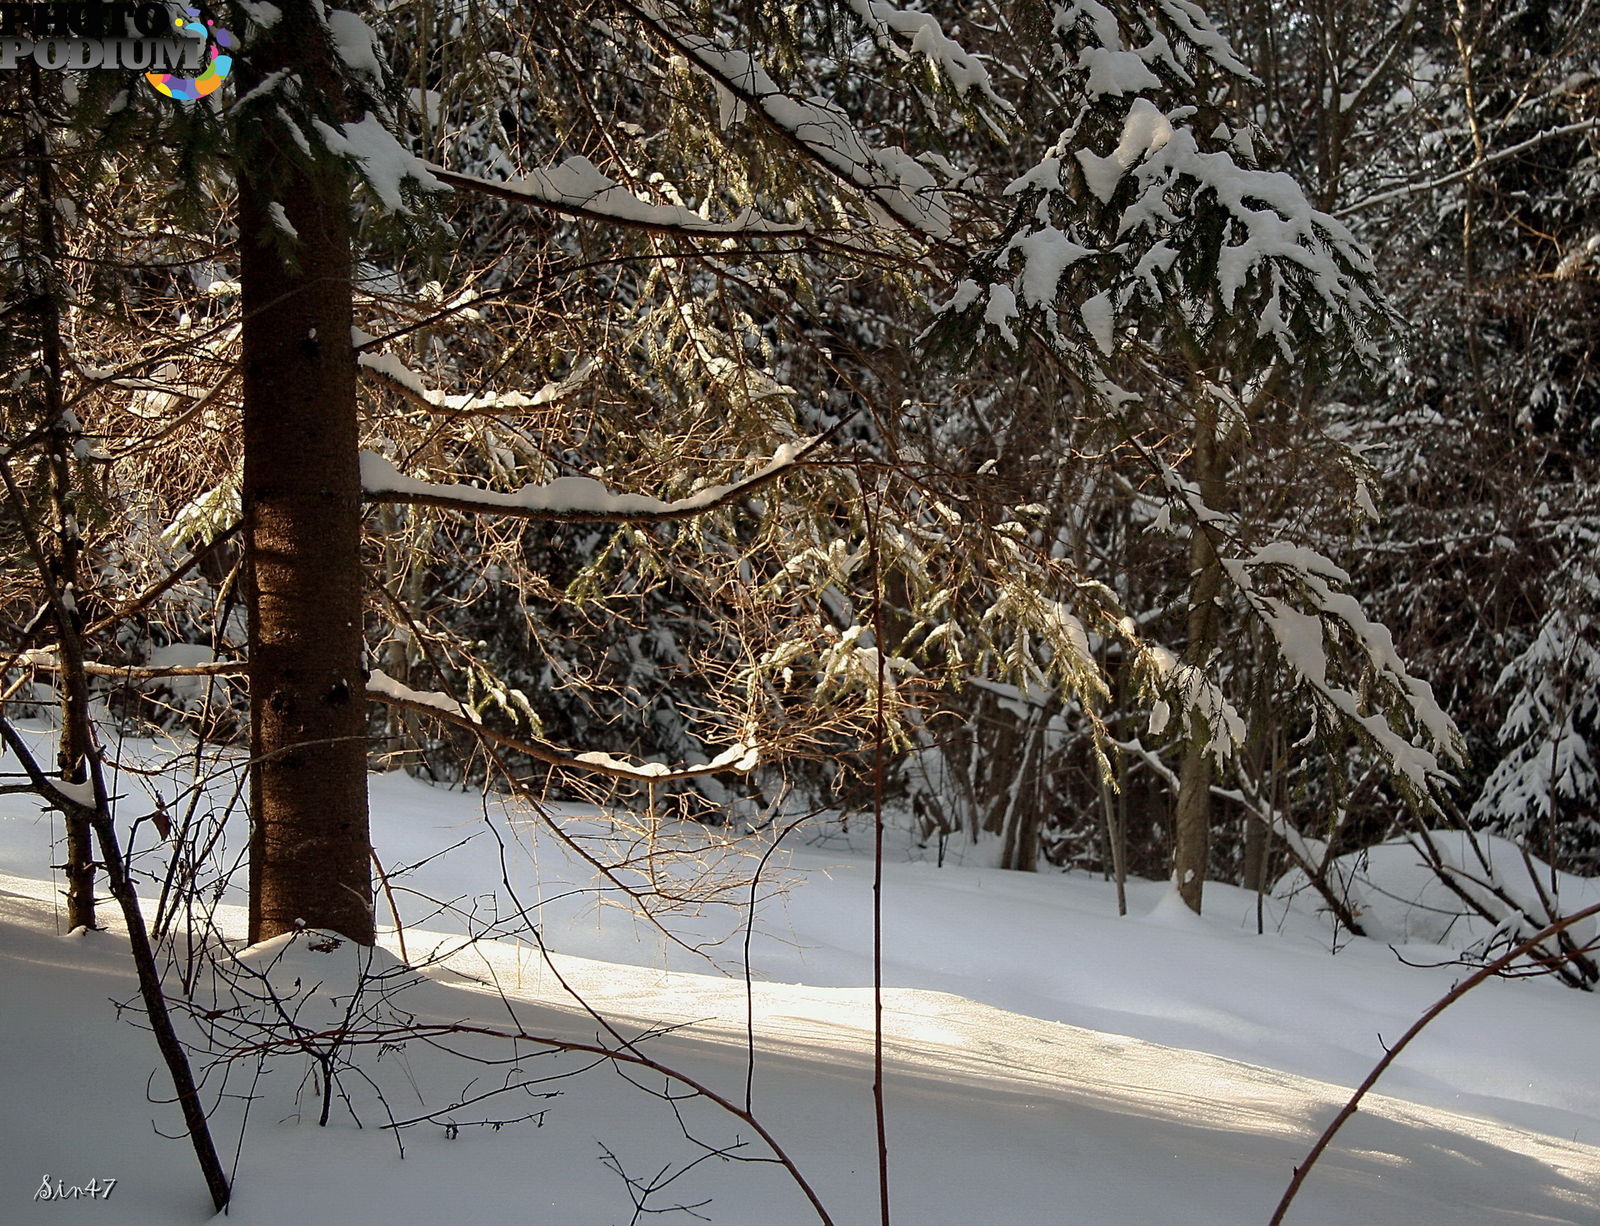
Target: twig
x=155 y=1003
x=1389 y=1056
x=879 y=731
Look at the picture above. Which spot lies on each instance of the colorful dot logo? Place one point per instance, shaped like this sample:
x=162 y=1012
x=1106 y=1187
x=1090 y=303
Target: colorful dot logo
x=187 y=89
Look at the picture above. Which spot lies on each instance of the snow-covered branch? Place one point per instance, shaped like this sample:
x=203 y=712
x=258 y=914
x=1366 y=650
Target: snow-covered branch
x=49 y=660
x=897 y=188
x=739 y=758
x=571 y=499
x=389 y=370
x=577 y=188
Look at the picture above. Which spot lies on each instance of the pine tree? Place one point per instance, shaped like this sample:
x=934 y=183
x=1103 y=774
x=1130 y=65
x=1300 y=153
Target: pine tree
x=310 y=849
x=1184 y=286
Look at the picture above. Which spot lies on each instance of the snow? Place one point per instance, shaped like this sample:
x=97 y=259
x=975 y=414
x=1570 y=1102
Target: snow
x=1041 y=1051
x=577 y=186
x=1002 y=309
x=380 y=684
x=1192 y=21
x=574 y=497
x=1145 y=131
x=1317 y=581
x=1116 y=72
x=1160 y=182
x=964 y=71
x=393 y=368
x=896 y=186
x=280 y=219
x=384 y=163
x=738 y=757
x=1046 y=254
x=1102 y=174
x=1401 y=899
x=1099 y=317
x=262 y=15
x=355 y=43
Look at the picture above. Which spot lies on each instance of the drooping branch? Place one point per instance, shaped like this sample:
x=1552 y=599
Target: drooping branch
x=577 y=189
x=896 y=186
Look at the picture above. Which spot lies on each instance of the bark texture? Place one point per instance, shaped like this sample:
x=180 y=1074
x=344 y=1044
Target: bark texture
x=310 y=849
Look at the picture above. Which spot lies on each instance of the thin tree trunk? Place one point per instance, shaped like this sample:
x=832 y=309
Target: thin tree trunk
x=1025 y=798
x=60 y=434
x=1191 y=852
x=173 y=1053
x=310 y=850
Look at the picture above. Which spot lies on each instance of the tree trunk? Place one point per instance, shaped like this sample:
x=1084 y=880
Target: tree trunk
x=61 y=433
x=310 y=850
x=1025 y=799
x=1191 y=850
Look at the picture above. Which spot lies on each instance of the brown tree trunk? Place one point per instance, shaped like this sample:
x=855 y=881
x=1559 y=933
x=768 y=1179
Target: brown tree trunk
x=310 y=849
x=1191 y=850
x=60 y=434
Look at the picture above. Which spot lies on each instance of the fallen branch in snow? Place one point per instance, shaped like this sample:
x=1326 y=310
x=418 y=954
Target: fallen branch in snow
x=1573 y=965
x=1305 y=859
x=492 y=744
x=301 y=1039
x=1390 y=1055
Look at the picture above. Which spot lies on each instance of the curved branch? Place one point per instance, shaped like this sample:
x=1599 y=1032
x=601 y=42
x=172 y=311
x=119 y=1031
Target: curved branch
x=1472 y=168
x=1389 y=1056
x=751 y=91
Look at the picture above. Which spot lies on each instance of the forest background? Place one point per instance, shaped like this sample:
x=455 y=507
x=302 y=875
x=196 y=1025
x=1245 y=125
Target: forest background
x=1168 y=454
x=1133 y=440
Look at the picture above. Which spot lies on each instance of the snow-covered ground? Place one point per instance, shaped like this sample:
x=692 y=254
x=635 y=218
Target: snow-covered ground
x=1048 y=1061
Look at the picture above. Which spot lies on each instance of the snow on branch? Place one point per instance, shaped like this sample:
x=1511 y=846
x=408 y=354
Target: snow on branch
x=1202 y=703
x=49 y=660
x=385 y=688
x=1308 y=622
x=1466 y=172
x=1149 y=207
x=390 y=370
x=570 y=499
x=383 y=162
x=739 y=758
x=577 y=188
x=925 y=37
x=898 y=189
x=1303 y=635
